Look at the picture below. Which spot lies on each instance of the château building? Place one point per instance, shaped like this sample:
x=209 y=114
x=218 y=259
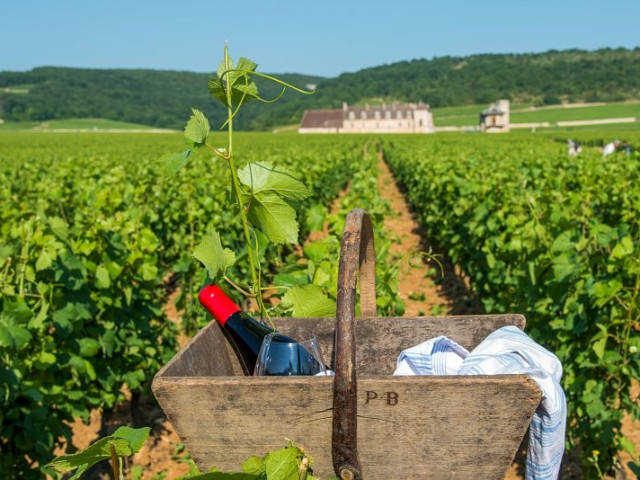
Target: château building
x=393 y=118
x=495 y=119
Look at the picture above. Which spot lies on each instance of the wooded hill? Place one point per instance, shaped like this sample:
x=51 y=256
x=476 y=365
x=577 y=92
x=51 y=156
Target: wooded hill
x=164 y=98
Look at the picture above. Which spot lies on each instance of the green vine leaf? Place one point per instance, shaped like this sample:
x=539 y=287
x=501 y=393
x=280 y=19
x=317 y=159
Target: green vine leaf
x=270 y=189
x=135 y=436
x=274 y=217
x=225 y=476
x=217 y=90
x=174 y=162
x=263 y=177
x=622 y=249
x=254 y=465
x=315 y=218
x=213 y=256
x=243 y=89
x=197 y=128
x=59 y=228
x=564 y=266
x=308 y=301
x=282 y=464
x=88 y=347
x=12 y=335
x=44 y=260
x=13 y=319
x=81 y=461
x=125 y=440
x=102 y=277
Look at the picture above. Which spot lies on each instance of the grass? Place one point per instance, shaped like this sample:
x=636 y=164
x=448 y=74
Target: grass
x=458 y=121
x=18 y=89
x=16 y=126
x=90 y=124
x=287 y=128
x=618 y=128
x=462 y=116
x=467 y=115
x=613 y=110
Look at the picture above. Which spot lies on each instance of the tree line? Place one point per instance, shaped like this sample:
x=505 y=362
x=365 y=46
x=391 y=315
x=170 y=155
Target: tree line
x=164 y=98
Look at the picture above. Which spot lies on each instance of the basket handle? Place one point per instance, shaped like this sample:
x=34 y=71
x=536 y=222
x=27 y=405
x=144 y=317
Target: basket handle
x=357 y=252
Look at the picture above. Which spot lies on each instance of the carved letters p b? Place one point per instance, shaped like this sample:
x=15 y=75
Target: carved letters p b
x=390 y=398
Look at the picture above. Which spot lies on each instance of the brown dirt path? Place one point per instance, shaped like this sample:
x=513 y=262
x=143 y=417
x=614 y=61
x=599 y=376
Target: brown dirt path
x=426 y=288
x=631 y=429
x=415 y=283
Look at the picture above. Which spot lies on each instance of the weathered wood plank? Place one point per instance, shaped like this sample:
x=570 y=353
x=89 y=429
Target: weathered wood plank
x=408 y=427
x=207 y=354
x=379 y=341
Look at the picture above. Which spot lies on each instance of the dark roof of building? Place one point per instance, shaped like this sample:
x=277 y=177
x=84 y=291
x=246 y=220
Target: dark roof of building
x=322 y=119
x=492 y=110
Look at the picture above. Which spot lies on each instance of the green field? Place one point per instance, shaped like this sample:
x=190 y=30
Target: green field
x=553 y=115
x=91 y=226
x=17 y=126
x=463 y=116
x=466 y=115
x=89 y=124
x=19 y=89
x=606 y=132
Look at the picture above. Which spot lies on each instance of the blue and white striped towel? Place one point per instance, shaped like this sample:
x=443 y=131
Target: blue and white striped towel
x=508 y=350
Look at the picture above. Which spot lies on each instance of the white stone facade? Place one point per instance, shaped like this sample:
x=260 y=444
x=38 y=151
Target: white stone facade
x=394 y=118
x=495 y=119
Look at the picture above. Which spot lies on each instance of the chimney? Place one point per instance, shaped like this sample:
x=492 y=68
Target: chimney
x=344 y=106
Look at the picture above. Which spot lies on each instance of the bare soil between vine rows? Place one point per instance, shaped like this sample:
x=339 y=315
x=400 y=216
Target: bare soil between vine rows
x=424 y=291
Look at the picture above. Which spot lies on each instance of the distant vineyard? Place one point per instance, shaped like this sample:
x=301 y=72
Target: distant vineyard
x=93 y=235
x=552 y=237
x=91 y=231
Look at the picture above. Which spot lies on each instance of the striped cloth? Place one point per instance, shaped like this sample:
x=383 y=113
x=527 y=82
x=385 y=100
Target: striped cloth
x=508 y=350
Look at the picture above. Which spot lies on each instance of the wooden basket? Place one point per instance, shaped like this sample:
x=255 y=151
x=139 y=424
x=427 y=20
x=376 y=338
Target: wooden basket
x=380 y=426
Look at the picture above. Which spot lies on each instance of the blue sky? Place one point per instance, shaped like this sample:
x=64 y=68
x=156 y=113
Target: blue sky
x=322 y=37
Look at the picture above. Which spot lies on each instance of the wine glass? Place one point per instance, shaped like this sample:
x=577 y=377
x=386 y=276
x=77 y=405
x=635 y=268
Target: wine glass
x=280 y=356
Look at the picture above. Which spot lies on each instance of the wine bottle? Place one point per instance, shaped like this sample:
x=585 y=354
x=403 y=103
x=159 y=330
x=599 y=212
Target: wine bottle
x=245 y=334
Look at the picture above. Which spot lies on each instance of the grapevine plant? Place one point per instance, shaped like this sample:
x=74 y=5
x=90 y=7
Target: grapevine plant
x=79 y=290
x=264 y=197
x=558 y=241
x=288 y=463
